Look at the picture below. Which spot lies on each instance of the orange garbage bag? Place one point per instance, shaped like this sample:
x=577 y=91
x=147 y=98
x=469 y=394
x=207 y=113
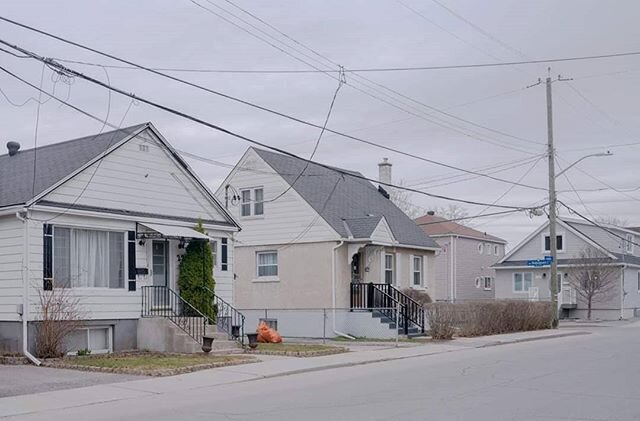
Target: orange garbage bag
x=267 y=334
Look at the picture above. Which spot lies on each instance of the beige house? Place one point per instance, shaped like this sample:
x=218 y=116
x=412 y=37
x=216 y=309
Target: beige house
x=464 y=264
x=314 y=238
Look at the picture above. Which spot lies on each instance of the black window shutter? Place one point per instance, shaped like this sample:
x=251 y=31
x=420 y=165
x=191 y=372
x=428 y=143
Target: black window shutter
x=547 y=243
x=131 y=258
x=224 y=252
x=47 y=255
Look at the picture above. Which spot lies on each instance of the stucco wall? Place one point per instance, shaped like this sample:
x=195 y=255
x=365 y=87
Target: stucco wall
x=304 y=277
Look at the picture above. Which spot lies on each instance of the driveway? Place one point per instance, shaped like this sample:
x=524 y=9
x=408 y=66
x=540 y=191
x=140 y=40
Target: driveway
x=27 y=379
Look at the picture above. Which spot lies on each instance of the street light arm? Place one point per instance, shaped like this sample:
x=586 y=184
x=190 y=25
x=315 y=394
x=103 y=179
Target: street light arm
x=582 y=159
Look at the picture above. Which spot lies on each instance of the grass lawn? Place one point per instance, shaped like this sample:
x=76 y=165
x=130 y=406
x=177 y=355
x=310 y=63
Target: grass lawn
x=151 y=361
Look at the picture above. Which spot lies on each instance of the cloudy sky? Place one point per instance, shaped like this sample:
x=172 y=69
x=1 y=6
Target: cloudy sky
x=482 y=119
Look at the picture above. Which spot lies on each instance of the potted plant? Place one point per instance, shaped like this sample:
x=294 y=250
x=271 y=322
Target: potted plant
x=207 y=343
x=253 y=340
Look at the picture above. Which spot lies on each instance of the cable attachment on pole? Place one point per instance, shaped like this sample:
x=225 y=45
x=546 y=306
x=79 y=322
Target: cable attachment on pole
x=342 y=76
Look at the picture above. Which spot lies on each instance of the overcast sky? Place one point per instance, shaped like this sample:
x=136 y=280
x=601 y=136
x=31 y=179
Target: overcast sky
x=595 y=110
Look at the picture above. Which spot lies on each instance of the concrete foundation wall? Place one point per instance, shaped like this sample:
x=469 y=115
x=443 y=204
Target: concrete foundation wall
x=124 y=334
x=319 y=323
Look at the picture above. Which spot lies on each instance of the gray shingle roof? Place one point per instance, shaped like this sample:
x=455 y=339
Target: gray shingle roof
x=362 y=227
x=54 y=162
x=339 y=198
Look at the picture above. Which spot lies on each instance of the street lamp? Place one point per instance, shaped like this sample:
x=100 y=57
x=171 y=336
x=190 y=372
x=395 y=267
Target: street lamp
x=553 y=246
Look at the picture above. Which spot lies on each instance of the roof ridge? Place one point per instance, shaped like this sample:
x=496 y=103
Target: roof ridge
x=65 y=142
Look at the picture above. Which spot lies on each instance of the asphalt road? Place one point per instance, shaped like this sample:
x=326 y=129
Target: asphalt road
x=591 y=377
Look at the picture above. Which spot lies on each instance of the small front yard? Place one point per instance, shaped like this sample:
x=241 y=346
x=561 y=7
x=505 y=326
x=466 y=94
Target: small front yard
x=149 y=364
x=296 y=349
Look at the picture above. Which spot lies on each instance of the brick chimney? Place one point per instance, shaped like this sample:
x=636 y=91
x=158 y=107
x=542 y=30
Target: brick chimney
x=384 y=171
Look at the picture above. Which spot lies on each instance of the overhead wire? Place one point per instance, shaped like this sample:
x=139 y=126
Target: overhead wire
x=227 y=131
x=381 y=146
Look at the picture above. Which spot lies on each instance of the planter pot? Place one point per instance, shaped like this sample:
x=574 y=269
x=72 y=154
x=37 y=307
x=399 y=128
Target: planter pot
x=207 y=343
x=253 y=340
x=235 y=331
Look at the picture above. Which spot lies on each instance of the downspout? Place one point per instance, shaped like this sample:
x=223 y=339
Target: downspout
x=333 y=289
x=451 y=268
x=25 y=286
x=622 y=293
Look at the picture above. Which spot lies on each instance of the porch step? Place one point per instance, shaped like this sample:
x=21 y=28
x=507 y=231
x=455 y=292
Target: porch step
x=162 y=335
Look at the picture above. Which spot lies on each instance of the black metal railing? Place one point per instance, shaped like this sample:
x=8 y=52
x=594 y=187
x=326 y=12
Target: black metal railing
x=161 y=301
x=224 y=316
x=385 y=296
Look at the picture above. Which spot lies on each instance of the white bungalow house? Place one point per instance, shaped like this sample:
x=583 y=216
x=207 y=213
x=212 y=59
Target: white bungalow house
x=316 y=239
x=104 y=216
x=516 y=278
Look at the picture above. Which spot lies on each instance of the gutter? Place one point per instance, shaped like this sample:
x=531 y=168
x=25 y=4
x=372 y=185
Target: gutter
x=25 y=285
x=333 y=290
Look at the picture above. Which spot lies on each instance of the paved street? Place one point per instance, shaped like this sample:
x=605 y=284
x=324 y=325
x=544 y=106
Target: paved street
x=586 y=377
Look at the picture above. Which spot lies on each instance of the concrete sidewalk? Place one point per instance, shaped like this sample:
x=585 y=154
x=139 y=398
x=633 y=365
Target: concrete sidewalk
x=270 y=366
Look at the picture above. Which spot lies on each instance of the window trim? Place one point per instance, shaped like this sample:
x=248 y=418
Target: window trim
x=258 y=265
x=256 y=202
x=414 y=271
x=558 y=234
x=392 y=269
x=629 y=239
x=487 y=249
x=496 y=250
x=251 y=203
x=484 y=283
x=125 y=260
x=480 y=248
x=513 y=282
x=224 y=254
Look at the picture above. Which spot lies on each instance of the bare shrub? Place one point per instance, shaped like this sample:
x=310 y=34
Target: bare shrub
x=421 y=297
x=60 y=315
x=505 y=316
x=441 y=318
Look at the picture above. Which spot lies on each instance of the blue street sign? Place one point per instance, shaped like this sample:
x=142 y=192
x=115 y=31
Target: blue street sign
x=540 y=262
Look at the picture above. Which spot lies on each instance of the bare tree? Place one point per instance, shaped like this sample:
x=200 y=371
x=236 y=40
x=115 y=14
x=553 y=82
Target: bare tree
x=403 y=200
x=612 y=220
x=452 y=212
x=594 y=278
x=60 y=315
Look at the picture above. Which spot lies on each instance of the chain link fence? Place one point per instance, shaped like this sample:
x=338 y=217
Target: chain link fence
x=325 y=323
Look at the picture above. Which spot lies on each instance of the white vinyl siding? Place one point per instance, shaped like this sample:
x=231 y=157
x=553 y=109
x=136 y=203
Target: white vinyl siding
x=267 y=264
x=135 y=180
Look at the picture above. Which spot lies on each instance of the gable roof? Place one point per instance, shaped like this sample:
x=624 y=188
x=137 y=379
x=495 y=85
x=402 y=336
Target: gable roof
x=52 y=163
x=435 y=225
x=344 y=200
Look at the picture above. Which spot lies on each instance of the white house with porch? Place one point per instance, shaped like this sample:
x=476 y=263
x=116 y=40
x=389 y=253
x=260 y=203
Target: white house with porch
x=105 y=218
x=516 y=278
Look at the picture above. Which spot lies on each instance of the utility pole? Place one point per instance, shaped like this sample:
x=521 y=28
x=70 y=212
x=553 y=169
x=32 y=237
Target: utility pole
x=553 y=238
x=553 y=244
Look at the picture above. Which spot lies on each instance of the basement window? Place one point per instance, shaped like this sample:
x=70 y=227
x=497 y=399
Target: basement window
x=97 y=339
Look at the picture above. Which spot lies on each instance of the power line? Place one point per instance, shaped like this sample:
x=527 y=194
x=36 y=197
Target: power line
x=223 y=130
x=430 y=118
x=361 y=140
x=481 y=215
x=368 y=142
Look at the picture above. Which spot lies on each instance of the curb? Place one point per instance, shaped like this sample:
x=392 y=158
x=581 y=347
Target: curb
x=381 y=360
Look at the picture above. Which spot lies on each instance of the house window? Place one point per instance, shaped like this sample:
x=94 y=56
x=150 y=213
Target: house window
x=480 y=248
x=559 y=242
x=249 y=196
x=224 y=254
x=638 y=282
x=522 y=281
x=478 y=282
x=96 y=339
x=487 y=282
x=628 y=243
x=245 y=204
x=88 y=259
x=388 y=268
x=214 y=253
x=417 y=270
x=496 y=250
x=258 y=204
x=487 y=248
x=267 y=263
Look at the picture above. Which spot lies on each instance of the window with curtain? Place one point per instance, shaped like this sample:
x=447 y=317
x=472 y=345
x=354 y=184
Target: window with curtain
x=267 y=263
x=87 y=258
